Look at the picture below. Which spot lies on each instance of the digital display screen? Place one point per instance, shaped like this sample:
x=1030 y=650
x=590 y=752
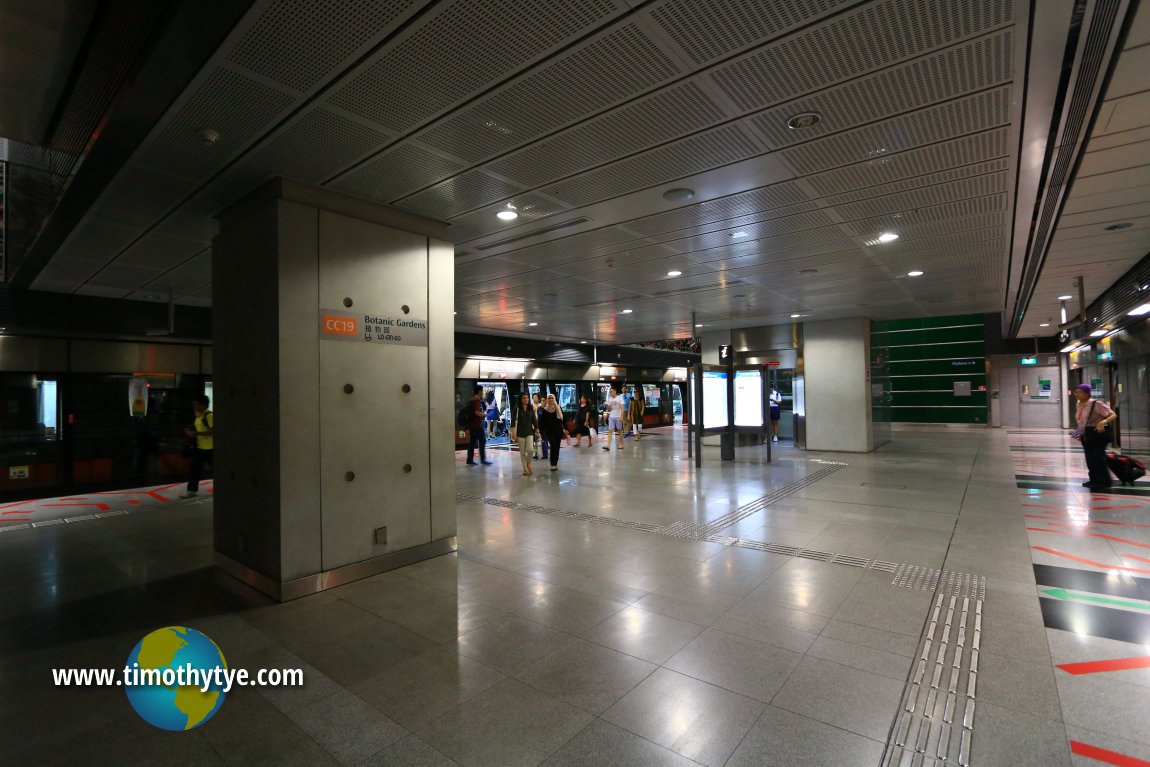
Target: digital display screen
x=748 y=398
x=714 y=399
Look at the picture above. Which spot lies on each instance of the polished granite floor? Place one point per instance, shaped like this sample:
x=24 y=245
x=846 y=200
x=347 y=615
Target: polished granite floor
x=626 y=610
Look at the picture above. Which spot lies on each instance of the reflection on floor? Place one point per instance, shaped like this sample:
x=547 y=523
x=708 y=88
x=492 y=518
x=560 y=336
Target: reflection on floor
x=630 y=610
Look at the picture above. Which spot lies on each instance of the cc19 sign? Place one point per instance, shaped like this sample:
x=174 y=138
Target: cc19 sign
x=338 y=325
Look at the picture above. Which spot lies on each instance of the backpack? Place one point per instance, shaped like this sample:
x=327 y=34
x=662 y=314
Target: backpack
x=463 y=418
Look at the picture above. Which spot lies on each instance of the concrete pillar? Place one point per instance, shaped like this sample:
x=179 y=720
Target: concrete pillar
x=836 y=363
x=334 y=453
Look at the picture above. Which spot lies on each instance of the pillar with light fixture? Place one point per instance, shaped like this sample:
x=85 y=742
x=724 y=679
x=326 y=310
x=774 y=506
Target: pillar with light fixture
x=335 y=403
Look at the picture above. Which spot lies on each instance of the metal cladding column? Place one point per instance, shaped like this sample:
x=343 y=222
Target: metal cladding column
x=836 y=360
x=334 y=384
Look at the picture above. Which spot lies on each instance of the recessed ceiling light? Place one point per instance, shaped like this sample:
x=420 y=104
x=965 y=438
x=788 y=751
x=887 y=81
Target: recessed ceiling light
x=1047 y=324
x=1138 y=311
x=804 y=120
x=1117 y=227
x=887 y=237
x=674 y=273
x=738 y=234
x=507 y=215
x=795 y=315
x=914 y=273
x=679 y=195
x=532 y=324
x=626 y=311
x=699 y=325
x=1065 y=298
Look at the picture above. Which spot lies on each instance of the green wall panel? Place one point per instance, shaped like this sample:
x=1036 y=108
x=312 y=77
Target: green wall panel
x=918 y=361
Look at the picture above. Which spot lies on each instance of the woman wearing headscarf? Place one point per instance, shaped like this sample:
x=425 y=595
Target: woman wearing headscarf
x=1094 y=418
x=554 y=428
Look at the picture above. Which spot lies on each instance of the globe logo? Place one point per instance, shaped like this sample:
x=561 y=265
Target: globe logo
x=171 y=678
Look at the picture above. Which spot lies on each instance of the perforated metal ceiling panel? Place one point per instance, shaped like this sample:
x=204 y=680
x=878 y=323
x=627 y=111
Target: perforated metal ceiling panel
x=582 y=113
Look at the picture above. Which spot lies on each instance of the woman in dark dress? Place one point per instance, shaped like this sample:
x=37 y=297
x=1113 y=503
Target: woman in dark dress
x=583 y=423
x=553 y=427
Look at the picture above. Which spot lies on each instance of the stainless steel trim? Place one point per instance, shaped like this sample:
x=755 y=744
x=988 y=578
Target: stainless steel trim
x=312 y=584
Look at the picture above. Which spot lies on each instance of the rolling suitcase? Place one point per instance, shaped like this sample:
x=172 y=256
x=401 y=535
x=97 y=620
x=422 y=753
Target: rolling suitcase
x=1127 y=469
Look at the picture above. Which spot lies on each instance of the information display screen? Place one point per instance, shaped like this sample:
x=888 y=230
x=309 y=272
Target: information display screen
x=748 y=398
x=714 y=399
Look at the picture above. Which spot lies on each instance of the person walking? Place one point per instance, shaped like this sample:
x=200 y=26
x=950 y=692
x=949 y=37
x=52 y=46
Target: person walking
x=492 y=415
x=1094 y=418
x=525 y=426
x=554 y=428
x=478 y=434
x=776 y=400
x=635 y=413
x=614 y=418
x=201 y=430
x=583 y=423
x=538 y=403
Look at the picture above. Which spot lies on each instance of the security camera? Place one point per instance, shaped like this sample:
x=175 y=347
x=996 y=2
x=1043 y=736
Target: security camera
x=1064 y=336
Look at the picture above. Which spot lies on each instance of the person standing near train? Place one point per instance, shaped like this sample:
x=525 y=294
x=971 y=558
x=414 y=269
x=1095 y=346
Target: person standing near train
x=615 y=407
x=554 y=428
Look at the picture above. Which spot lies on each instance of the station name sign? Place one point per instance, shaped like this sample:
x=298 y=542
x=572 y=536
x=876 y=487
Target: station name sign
x=339 y=325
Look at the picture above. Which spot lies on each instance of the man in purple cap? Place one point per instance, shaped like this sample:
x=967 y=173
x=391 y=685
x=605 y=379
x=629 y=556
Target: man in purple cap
x=1094 y=416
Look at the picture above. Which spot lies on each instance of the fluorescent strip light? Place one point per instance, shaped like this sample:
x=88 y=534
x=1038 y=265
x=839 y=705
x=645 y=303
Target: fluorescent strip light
x=1138 y=311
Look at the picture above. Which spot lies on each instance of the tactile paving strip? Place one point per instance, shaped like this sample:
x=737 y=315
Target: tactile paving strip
x=773 y=548
x=935 y=723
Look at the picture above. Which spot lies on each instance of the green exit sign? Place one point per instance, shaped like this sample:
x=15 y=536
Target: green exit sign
x=1028 y=361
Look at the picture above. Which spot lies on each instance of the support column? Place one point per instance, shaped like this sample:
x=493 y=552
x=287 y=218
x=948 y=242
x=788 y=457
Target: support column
x=836 y=363
x=333 y=364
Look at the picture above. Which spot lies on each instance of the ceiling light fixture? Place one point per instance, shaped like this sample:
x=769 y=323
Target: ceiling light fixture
x=507 y=215
x=795 y=315
x=626 y=311
x=1070 y=348
x=699 y=325
x=1044 y=325
x=1099 y=333
x=679 y=195
x=674 y=273
x=886 y=237
x=804 y=120
x=738 y=234
x=1139 y=311
x=914 y=273
x=1065 y=298
x=532 y=324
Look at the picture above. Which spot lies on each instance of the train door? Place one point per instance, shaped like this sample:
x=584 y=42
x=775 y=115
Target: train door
x=677 y=413
x=498 y=424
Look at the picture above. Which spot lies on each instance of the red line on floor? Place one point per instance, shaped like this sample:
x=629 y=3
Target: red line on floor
x=100 y=506
x=1090 y=535
x=1100 y=666
x=1134 y=556
x=1103 y=755
x=1090 y=562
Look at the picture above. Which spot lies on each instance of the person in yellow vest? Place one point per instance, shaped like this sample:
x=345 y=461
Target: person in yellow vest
x=201 y=431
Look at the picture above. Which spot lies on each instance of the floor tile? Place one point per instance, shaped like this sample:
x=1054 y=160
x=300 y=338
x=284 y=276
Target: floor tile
x=858 y=701
x=347 y=727
x=692 y=718
x=427 y=686
x=735 y=663
x=863 y=658
x=1018 y=685
x=508 y=725
x=602 y=743
x=1105 y=705
x=408 y=752
x=512 y=644
x=587 y=675
x=1005 y=736
x=646 y=635
x=783 y=739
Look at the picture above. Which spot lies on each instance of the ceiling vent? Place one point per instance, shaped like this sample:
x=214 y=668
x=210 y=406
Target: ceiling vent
x=536 y=233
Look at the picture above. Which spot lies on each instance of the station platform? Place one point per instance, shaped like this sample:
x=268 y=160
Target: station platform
x=956 y=597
